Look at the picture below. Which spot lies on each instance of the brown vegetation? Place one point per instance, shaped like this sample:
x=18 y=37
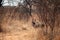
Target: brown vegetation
x=16 y=23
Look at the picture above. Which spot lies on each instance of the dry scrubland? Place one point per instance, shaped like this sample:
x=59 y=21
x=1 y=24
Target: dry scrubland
x=16 y=25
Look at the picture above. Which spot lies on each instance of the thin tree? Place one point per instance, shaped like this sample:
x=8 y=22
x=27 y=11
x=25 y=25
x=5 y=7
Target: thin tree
x=0 y=3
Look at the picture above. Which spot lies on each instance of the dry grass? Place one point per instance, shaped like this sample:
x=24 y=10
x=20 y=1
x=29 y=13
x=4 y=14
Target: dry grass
x=18 y=26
